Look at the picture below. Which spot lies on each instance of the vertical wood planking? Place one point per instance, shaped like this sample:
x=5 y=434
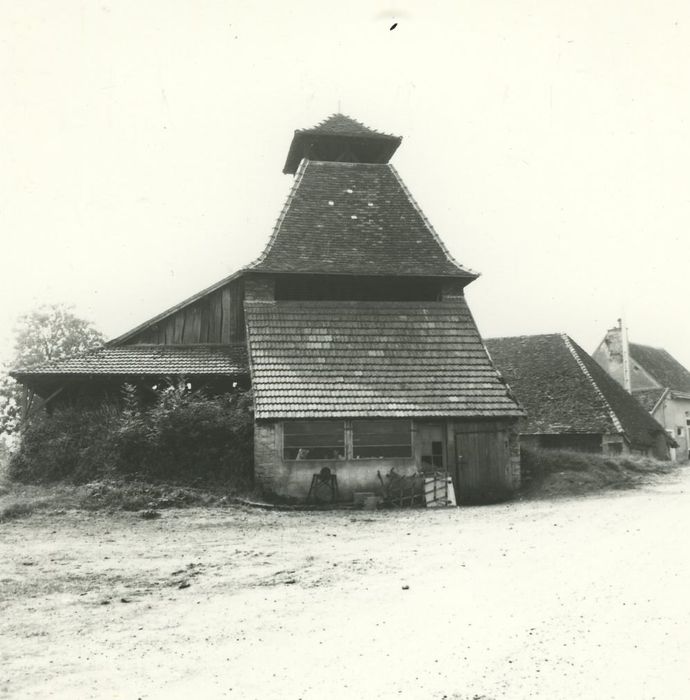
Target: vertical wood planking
x=226 y=329
x=204 y=317
x=216 y=318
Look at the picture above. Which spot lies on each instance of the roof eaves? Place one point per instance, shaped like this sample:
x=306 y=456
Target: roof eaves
x=427 y=223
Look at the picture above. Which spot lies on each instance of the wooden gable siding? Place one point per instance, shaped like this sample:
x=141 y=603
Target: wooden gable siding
x=217 y=317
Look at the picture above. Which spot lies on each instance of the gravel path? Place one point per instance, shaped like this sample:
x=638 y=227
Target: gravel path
x=581 y=598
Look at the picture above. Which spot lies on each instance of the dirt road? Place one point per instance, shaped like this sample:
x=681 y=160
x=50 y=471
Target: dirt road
x=582 y=598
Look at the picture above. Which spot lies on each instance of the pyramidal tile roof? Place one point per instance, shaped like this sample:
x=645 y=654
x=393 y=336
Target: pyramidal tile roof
x=341 y=125
x=358 y=219
x=382 y=359
x=564 y=390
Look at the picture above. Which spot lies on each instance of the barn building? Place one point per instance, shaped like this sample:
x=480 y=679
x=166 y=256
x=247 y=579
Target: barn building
x=571 y=402
x=352 y=328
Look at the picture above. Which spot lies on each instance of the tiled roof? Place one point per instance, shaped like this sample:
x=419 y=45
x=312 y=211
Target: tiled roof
x=147 y=359
x=663 y=367
x=342 y=125
x=321 y=359
x=564 y=390
x=649 y=397
x=355 y=218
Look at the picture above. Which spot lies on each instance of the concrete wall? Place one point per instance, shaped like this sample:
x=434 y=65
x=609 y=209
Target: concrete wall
x=673 y=414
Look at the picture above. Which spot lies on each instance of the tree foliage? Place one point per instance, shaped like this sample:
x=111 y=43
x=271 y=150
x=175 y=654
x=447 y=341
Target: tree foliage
x=50 y=332
x=53 y=333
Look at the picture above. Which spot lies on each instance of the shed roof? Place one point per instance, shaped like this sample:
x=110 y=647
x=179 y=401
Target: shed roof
x=665 y=369
x=357 y=219
x=564 y=390
x=383 y=359
x=158 y=360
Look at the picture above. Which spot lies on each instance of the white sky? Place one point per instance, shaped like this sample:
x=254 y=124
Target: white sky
x=142 y=144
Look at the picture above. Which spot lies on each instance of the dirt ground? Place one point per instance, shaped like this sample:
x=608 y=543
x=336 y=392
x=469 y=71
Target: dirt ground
x=570 y=598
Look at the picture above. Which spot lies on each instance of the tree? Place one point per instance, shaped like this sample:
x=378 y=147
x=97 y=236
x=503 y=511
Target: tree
x=51 y=332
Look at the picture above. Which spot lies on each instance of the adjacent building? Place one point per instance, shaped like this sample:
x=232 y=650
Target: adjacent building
x=352 y=328
x=655 y=378
x=571 y=402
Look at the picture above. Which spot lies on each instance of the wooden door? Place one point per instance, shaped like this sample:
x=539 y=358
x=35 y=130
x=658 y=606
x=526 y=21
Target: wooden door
x=482 y=463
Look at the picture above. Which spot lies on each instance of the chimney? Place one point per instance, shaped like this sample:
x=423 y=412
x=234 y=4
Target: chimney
x=625 y=352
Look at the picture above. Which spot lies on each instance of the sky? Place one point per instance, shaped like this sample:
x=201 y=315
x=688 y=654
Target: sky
x=142 y=146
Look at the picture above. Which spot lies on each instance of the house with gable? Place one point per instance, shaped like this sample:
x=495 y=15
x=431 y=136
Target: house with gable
x=352 y=328
x=655 y=378
x=571 y=402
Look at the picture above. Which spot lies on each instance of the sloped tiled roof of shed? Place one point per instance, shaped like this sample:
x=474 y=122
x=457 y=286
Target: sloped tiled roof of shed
x=662 y=366
x=564 y=390
x=148 y=359
x=321 y=359
x=354 y=218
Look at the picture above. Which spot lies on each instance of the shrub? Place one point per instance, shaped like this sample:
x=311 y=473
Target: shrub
x=190 y=437
x=184 y=436
x=551 y=472
x=70 y=444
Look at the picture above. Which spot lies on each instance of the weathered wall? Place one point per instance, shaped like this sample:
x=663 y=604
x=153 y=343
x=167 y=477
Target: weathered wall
x=609 y=355
x=493 y=474
x=673 y=414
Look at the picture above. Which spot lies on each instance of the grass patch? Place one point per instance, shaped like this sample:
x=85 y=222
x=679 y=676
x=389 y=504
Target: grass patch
x=22 y=500
x=554 y=473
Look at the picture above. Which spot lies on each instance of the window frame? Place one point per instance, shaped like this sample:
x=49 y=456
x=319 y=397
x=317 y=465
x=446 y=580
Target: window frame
x=349 y=440
x=284 y=447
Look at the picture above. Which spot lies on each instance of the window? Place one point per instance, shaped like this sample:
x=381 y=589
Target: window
x=435 y=459
x=381 y=438
x=314 y=439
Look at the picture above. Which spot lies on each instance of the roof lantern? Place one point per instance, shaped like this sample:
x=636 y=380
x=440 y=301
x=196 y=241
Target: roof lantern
x=340 y=138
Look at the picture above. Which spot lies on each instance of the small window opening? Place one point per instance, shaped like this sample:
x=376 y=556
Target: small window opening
x=314 y=440
x=435 y=459
x=380 y=439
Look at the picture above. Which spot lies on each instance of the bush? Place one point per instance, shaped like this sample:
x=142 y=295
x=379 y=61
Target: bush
x=551 y=472
x=71 y=444
x=189 y=437
x=185 y=437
